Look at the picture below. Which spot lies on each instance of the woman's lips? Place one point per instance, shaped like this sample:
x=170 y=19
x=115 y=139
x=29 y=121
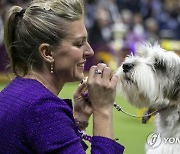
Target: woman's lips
x=81 y=64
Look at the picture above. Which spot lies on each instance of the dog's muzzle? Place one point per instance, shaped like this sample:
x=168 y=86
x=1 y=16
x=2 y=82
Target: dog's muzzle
x=127 y=67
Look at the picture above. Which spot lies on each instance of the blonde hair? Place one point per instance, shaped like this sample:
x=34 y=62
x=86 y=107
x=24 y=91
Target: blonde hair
x=44 y=21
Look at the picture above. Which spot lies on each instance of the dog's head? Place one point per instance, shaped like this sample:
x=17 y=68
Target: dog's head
x=150 y=78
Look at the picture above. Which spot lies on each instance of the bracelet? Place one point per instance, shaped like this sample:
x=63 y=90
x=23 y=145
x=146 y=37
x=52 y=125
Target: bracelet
x=85 y=136
x=81 y=124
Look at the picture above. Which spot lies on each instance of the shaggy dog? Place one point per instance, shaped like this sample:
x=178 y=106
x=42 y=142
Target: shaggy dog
x=151 y=78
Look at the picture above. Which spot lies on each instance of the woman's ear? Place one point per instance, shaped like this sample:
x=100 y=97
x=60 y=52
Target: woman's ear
x=45 y=51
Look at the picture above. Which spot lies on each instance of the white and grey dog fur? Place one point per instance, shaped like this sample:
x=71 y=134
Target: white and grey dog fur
x=151 y=78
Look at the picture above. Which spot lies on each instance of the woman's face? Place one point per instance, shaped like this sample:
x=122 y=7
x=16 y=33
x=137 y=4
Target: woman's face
x=71 y=55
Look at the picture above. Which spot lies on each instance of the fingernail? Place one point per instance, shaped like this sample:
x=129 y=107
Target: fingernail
x=86 y=97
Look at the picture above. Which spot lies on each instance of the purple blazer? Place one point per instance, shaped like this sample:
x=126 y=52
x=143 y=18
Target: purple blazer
x=34 y=120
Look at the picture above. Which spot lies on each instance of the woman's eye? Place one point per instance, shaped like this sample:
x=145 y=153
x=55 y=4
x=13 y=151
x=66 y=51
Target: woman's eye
x=79 y=45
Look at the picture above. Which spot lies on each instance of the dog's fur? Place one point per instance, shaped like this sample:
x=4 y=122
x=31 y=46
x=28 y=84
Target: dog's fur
x=151 y=78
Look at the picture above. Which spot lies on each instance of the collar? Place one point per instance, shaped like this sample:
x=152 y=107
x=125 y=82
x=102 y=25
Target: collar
x=151 y=111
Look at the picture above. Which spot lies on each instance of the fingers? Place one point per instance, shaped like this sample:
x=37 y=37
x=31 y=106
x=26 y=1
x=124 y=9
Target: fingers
x=101 y=73
x=96 y=72
x=80 y=89
x=106 y=74
x=91 y=73
x=114 y=80
x=99 y=68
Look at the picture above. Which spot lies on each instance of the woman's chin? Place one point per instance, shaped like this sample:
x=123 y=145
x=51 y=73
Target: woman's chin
x=78 y=77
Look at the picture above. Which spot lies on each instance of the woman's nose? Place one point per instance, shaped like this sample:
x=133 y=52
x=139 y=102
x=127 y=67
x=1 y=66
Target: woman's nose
x=88 y=51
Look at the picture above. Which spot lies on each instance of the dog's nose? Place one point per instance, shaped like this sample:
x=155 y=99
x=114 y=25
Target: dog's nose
x=127 y=67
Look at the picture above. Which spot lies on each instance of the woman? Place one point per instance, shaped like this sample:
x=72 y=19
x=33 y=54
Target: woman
x=47 y=45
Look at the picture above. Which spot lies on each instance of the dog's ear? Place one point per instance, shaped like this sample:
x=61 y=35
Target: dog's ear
x=159 y=64
x=174 y=94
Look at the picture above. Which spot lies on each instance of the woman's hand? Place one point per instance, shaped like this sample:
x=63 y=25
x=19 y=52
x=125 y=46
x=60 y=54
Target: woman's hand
x=101 y=87
x=82 y=104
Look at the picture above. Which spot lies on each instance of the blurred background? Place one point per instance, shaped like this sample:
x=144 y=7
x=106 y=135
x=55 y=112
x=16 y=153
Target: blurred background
x=115 y=28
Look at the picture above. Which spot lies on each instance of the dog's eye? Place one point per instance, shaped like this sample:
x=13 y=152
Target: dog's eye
x=159 y=65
